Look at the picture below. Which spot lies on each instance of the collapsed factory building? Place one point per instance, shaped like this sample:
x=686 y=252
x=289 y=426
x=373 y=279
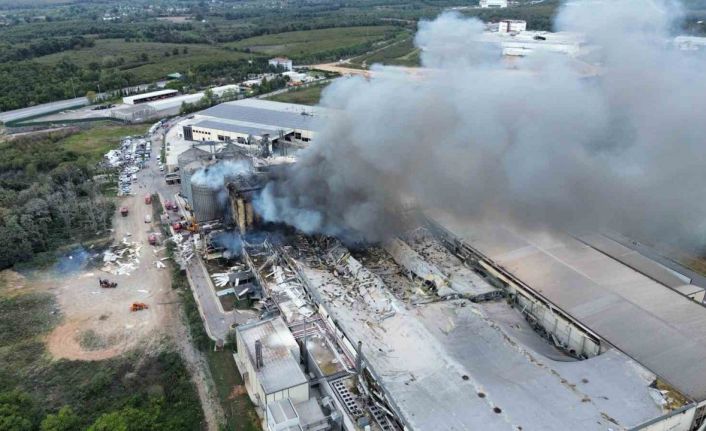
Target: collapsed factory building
x=453 y=325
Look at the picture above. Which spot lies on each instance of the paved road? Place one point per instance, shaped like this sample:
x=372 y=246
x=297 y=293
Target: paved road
x=216 y=321
x=19 y=114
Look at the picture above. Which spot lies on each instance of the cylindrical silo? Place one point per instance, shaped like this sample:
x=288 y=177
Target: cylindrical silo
x=186 y=173
x=206 y=202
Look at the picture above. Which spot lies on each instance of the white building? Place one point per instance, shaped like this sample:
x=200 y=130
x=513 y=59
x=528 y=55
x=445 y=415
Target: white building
x=690 y=43
x=525 y=43
x=268 y=359
x=492 y=4
x=282 y=62
x=235 y=121
x=512 y=26
x=149 y=97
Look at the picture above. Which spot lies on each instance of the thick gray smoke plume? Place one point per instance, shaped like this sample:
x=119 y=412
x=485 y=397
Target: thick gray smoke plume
x=541 y=142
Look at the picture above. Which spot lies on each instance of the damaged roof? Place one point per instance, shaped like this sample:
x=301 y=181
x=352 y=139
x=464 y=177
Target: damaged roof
x=658 y=327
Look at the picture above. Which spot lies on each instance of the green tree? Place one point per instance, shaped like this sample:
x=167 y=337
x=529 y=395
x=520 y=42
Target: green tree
x=64 y=420
x=91 y=96
x=17 y=411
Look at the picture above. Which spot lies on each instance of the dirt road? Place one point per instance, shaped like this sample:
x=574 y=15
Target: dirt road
x=98 y=323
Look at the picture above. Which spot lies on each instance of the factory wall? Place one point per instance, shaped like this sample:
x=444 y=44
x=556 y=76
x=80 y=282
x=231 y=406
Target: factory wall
x=209 y=134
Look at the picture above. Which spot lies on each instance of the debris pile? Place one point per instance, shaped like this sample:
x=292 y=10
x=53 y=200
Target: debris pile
x=184 y=248
x=233 y=277
x=122 y=259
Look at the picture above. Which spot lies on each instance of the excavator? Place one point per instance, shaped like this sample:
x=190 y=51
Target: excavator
x=137 y=306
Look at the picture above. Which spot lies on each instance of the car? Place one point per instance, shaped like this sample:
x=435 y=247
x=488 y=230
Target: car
x=161 y=169
x=148 y=218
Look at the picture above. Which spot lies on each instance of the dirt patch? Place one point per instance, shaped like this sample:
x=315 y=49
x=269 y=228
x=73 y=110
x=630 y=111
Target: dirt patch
x=237 y=391
x=67 y=341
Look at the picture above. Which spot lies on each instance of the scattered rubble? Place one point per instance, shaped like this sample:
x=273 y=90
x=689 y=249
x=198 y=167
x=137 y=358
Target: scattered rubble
x=122 y=259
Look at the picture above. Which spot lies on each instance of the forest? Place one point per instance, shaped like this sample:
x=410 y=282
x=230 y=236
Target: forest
x=48 y=197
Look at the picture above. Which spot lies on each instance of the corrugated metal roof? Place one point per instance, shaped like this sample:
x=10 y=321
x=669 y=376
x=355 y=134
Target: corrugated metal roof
x=280 y=368
x=651 y=323
x=269 y=117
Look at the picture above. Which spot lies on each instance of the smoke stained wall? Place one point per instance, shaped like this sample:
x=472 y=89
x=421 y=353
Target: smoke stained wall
x=539 y=144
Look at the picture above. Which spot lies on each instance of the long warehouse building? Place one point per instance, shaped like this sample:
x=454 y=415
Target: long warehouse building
x=591 y=293
x=236 y=121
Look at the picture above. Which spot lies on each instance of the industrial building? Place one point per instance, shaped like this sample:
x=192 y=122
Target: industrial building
x=149 y=97
x=454 y=324
x=492 y=4
x=523 y=43
x=238 y=120
x=512 y=26
x=268 y=359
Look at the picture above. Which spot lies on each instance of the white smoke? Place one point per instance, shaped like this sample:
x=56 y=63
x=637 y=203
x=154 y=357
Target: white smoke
x=541 y=143
x=214 y=176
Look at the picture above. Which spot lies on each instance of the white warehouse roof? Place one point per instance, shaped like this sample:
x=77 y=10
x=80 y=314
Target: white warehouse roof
x=653 y=324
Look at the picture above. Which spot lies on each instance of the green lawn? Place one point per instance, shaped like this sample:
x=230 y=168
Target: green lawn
x=156 y=67
x=304 y=96
x=299 y=44
x=96 y=141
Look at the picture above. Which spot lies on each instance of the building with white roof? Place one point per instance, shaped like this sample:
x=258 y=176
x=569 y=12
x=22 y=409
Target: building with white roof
x=492 y=4
x=268 y=360
x=235 y=121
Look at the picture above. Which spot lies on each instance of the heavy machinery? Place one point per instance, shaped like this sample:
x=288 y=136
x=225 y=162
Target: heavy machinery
x=137 y=306
x=107 y=284
x=123 y=211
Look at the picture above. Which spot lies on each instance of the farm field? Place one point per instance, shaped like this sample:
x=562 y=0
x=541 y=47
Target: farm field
x=157 y=65
x=303 y=44
x=304 y=96
x=402 y=53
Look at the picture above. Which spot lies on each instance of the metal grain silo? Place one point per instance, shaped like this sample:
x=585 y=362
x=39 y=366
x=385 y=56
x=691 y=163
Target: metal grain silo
x=206 y=202
x=186 y=173
x=189 y=161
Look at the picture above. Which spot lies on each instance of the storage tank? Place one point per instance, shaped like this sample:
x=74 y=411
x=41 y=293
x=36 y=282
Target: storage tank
x=186 y=173
x=206 y=202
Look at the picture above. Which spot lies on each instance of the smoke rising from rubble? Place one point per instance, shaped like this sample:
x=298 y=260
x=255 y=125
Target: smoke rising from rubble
x=538 y=142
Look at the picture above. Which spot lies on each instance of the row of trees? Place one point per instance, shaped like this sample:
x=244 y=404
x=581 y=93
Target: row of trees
x=43 y=47
x=47 y=198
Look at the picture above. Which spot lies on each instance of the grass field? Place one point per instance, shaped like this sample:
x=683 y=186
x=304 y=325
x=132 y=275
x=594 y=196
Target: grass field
x=305 y=96
x=312 y=42
x=401 y=53
x=156 y=67
x=96 y=141
x=239 y=411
